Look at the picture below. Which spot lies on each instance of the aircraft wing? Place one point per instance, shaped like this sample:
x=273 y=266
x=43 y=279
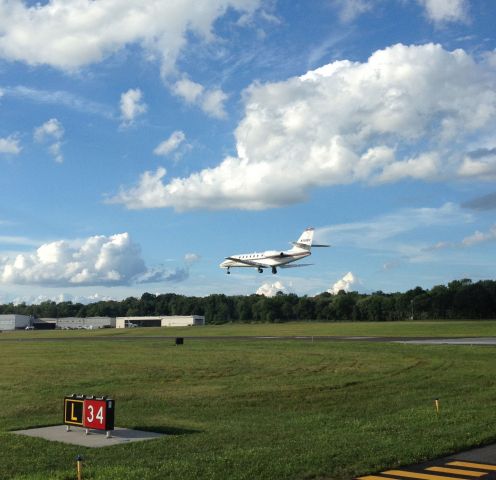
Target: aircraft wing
x=294 y=266
x=250 y=263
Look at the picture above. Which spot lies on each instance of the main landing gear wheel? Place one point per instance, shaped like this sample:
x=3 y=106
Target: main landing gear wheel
x=228 y=272
x=274 y=270
x=260 y=270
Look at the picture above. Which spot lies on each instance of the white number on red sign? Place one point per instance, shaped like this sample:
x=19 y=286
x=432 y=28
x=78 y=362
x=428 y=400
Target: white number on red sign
x=99 y=414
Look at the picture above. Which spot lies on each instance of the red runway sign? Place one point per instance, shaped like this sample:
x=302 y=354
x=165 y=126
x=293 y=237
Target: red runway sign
x=89 y=412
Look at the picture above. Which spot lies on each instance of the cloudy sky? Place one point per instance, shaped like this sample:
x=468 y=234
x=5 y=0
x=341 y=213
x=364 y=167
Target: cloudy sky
x=143 y=142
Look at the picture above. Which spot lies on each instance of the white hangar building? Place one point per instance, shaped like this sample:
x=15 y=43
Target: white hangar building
x=165 y=321
x=73 y=323
x=14 y=322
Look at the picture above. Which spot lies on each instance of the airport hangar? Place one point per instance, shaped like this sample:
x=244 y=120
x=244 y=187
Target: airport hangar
x=14 y=322
x=163 y=321
x=20 y=322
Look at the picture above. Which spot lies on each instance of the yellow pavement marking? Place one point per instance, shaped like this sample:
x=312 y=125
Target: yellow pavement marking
x=480 y=466
x=457 y=471
x=423 y=476
x=375 y=477
x=440 y=469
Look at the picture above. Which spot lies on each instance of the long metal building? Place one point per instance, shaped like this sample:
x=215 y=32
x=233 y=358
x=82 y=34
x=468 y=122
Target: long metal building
x=164 y=321
x=14 y=321
x=72 y=323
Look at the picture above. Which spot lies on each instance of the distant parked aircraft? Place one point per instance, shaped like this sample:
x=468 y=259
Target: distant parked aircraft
x=275 y=258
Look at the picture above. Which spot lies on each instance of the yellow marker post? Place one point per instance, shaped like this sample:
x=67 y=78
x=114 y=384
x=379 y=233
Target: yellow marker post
x=436 y=403
x=79 y=466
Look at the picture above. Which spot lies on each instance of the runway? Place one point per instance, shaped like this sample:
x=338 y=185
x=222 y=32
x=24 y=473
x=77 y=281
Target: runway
x=474 y=341
x=478 y=463
x=454 y=341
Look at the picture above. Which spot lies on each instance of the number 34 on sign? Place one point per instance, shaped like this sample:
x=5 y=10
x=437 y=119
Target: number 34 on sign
x=89 y=412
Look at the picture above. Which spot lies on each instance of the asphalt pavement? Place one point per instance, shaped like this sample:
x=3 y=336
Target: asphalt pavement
x=481 y=341
x=478 y=463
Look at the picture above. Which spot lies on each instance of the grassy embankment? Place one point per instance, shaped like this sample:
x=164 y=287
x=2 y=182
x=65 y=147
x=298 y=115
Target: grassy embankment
x=251 y=409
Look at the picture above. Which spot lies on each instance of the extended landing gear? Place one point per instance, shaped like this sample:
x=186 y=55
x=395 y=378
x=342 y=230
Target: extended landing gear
x=260 y=270
x=227 y=271
x=274 y=270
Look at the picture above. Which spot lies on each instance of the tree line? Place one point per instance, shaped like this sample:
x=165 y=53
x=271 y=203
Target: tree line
x=459 y=299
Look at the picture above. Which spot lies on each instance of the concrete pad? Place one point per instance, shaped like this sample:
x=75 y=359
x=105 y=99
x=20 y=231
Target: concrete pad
x=95 y=439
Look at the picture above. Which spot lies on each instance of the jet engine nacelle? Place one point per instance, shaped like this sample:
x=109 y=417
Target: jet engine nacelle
x=274 y=253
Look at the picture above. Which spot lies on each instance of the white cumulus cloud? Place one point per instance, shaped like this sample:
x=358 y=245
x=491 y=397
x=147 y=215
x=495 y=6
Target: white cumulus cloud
x=70 y=34
x=51 y=131
x=97 y=260
x=344 y=283
x=188 y=90
x=171 y=144
x=443 y=11
x=408 y=112
x=10 y=145
x=270 y=289
x=132 y=105
x=480 y=163
x=211 y=101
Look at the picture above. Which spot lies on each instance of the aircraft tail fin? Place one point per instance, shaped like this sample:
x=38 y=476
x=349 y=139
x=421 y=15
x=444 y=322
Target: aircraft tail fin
x=305 y=242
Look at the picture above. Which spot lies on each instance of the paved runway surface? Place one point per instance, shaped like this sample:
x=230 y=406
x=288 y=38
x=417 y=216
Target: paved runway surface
x=454 y=341
x=479 y=463
x=483 y=341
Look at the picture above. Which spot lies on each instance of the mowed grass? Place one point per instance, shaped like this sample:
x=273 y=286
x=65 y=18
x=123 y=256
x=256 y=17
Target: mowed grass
x=433 y=328
x=247 y=409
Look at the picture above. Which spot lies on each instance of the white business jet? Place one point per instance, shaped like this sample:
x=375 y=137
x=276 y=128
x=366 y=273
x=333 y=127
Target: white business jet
x=275 y=258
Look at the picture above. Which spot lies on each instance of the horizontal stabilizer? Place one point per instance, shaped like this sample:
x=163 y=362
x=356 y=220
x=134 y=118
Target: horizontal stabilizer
x=295 y=266
x=307 y=247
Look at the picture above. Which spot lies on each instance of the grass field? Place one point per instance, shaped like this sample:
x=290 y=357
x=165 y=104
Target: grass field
x=440 y=328
x=250 y=409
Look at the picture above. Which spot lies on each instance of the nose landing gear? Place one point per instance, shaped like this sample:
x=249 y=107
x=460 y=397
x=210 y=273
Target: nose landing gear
x=274 y=270
x=260 y=270
x=227 y=271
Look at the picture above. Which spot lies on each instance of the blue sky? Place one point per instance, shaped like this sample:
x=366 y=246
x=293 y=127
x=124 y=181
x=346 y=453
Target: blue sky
x=143 y=142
